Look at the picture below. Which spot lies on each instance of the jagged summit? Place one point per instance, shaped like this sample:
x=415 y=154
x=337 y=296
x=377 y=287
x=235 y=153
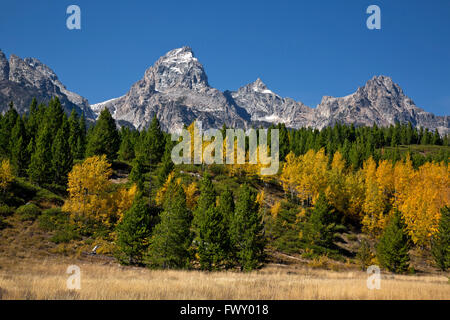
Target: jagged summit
x=180 y=55
x=21 y=80
x=379 y=101
x=259 y=86
x=177 y=69
x=175 y=89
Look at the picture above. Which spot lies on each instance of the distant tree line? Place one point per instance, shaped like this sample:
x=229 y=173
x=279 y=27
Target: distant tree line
x=357 y=144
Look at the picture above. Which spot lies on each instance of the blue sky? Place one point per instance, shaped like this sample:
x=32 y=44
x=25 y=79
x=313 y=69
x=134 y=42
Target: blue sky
x=300 y=49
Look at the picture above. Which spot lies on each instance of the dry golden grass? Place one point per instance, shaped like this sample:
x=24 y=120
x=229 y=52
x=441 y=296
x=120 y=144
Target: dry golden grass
x=47 y=280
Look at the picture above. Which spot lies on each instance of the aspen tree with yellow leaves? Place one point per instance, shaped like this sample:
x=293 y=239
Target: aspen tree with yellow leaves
x=275 y=210
x=376 y=205
x=335 y=190
x=191 y=192
x=288 y=177
x=91 y=198
x=6 y=175
x=421 y=202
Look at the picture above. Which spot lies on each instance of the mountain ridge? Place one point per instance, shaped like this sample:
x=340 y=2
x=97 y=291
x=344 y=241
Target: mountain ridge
x=21 y=80
x=176 y=89
x=179 y=75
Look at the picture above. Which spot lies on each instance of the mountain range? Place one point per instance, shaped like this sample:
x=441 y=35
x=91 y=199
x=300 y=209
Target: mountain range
x=21 y=80
x=176 y=90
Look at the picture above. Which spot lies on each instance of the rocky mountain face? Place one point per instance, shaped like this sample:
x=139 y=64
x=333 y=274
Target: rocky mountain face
x=21 y=80
x=176 y=89
x=380 y=101
x=265 y=106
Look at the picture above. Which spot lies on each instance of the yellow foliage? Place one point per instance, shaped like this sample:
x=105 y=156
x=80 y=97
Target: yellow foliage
x=375 y=202
x=370 y=194
x=6 y=175
x=123 y=199
x=260 y=197
x=355 y=192
x=306 y=175
x=420 y=201
x=191 y=192
x=336 y=189
x=291 y=169
x=313 y=175
x=90 y=194
x=275 y=210
x=159 y=199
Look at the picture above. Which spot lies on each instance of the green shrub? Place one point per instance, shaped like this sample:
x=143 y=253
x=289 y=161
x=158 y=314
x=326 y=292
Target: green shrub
x=5 y=210
x=217 y=169
x=65 y=235
x=46 y=195
x=364 y=254
x=52 y=219
x=29 y=211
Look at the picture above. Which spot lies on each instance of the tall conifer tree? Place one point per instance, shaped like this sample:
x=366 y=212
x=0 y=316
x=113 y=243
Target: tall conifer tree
x=171 y=239
x=247 y=230
x=104 y=138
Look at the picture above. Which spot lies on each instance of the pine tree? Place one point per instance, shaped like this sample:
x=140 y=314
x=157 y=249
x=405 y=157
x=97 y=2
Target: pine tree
x=40 y=169
x=166 y=166
x=133 y=233
x=33 y=120
x=440 y=244
x=18 y=146
x=284 y=227
x=436 y=140
x=207 y=197
x=54 y=114
x=355 y=155
x=209 y=224
x=151 y=146
x=284 y=141
x=104 y=139
x=425 y=137
x=126 y=150
x=137 y=173
x=246 y=230
x=206 y=200
x=171 y=238
x=74 y=134
x=8 y=123
x=396 y=136
x=212 y=239
x=320 y=228
x=393 y=247
x=226 y=207
x=81 y=142
x=62 y=159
